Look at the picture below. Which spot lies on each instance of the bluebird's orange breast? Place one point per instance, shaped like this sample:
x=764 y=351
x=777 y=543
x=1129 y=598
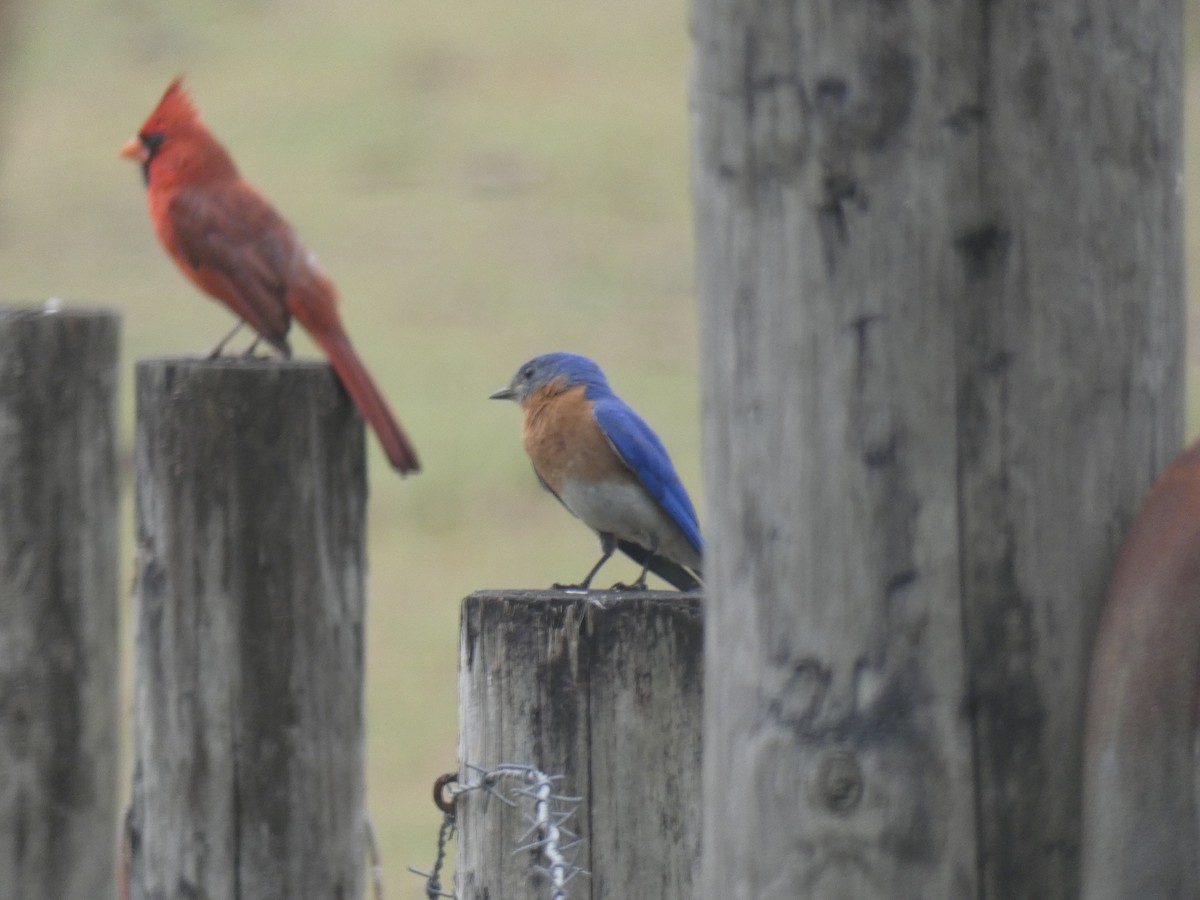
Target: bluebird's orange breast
x=564 y=441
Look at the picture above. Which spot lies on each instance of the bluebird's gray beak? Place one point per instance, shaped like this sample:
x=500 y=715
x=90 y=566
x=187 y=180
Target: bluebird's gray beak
x=506 y=393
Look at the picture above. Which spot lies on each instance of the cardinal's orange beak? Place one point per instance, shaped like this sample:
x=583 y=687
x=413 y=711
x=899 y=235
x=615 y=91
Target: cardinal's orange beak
x=134 y=149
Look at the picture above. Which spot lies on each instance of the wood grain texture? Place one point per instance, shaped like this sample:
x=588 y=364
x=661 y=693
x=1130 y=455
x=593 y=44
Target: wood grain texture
x=59 y=646
x=1141 y=821
x=609 y=698
x=249 y=754
x=939 y=266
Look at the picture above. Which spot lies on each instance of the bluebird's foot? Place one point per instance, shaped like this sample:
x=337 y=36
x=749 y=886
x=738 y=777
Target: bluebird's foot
x=639 y=585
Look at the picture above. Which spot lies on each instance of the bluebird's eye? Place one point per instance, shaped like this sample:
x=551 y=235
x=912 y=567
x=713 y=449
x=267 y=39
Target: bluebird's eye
x=527 y=373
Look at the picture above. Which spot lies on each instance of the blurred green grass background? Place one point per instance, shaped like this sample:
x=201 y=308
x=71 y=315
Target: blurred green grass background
x=484 y=182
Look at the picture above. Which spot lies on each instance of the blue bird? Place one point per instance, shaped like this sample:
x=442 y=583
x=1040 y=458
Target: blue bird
x=607 y=467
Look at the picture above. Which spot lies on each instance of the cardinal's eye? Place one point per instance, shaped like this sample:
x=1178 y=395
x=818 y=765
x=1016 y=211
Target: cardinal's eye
x=153 y=141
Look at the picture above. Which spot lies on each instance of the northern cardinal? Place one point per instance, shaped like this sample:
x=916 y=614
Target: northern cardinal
x=233 y=245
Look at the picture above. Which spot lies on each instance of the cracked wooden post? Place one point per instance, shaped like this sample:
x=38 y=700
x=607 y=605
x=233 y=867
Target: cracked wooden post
x=59 y=609
x=609 y=698
x=248 y=774
x=940 y=278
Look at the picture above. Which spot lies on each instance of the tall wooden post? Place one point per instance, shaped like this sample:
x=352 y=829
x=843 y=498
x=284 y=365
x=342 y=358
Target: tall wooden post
x=939 y=253
x=59 y=647
x=606 y=699
x=248 y=772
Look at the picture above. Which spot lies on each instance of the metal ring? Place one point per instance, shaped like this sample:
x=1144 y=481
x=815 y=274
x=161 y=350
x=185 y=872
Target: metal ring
x=440 y=800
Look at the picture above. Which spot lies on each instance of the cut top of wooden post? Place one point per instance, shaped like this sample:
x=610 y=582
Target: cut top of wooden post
x=603 y=693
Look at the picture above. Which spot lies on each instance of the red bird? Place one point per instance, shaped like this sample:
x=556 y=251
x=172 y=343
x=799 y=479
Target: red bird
x=233 y=245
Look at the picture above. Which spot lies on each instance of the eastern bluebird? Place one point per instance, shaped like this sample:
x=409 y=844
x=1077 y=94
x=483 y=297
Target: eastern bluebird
x=605 y=464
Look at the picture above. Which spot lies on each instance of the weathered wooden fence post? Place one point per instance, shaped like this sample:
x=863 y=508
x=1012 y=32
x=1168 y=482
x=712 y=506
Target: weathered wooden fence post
x=607 y=697
x=59 y=647
x=248 y=773
x=940 y=275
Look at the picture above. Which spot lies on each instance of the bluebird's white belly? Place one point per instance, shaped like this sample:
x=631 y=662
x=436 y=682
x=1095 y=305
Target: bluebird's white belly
x=625 y=510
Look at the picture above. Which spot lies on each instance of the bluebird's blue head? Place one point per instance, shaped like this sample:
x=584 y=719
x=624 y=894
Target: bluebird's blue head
x=564 y=370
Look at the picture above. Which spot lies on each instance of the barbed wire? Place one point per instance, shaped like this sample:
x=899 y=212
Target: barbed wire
x=374 y=858
x=433 y=878
x=547 y=813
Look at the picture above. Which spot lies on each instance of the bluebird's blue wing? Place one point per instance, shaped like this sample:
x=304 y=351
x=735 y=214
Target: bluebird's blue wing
x=641 y=450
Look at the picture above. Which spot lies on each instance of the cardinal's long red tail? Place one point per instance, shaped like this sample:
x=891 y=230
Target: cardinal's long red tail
x=369 y=400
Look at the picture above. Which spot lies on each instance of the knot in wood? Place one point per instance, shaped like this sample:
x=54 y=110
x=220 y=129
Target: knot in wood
x=839 y=784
